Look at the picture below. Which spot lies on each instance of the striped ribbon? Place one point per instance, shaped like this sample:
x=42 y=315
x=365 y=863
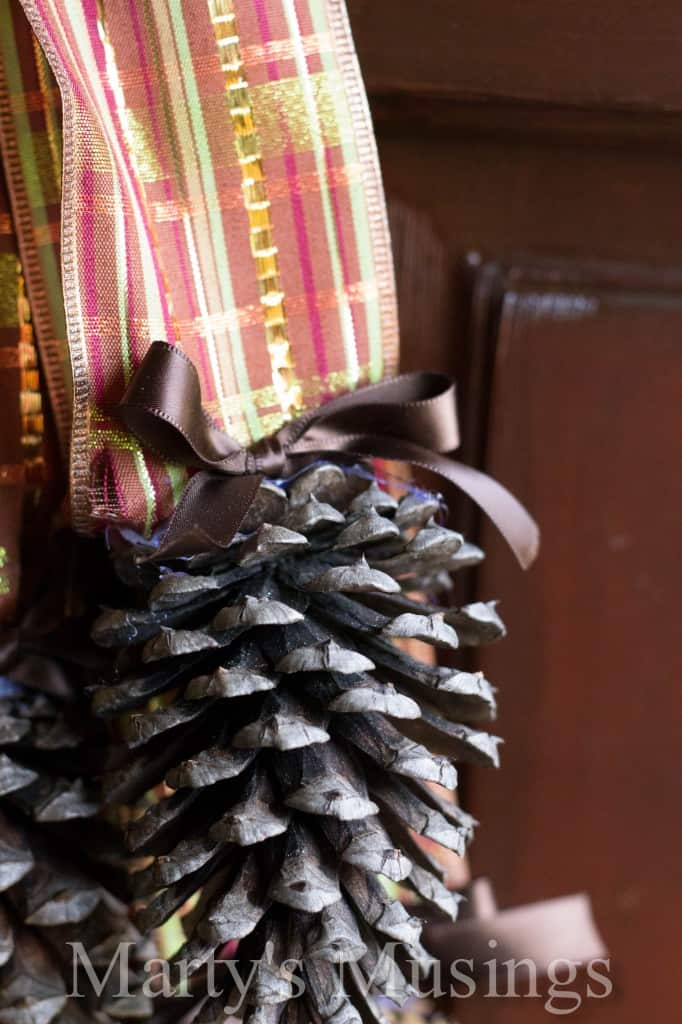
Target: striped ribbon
x=221 y=192
x=21 y=416
x=30 y=143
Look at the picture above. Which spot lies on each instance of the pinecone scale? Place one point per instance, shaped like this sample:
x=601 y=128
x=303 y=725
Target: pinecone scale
x=267 y=691
x=61 y=880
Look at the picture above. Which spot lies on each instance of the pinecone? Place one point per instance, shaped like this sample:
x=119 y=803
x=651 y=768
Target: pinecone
x=268 y=688
x=52 y=866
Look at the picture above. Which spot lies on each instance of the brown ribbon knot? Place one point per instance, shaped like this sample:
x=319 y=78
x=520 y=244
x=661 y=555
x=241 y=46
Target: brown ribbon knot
x=412 y=419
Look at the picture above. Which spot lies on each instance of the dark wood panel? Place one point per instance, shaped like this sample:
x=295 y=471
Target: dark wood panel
x=606 y=54
x=503 y=120
x=585 y=426
x=520 y=137
x=495 y=196
x=500 y=197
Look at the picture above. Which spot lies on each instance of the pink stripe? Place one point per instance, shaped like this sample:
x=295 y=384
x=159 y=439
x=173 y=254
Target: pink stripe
x=91 y=13
x=302 y=240
x=87 y=221
x=208 y=383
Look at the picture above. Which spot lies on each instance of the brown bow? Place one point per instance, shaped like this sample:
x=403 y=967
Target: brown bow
x=412 y=419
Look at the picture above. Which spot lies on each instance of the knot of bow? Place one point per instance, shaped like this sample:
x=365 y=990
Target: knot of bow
x=412 y=418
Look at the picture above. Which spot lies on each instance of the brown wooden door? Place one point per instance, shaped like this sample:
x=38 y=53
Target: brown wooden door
x=532 y=153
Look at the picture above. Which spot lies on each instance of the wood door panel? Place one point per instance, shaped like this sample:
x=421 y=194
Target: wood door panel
x=585 y=427
x=535 y=151
x=503 y=196
x=605 y=54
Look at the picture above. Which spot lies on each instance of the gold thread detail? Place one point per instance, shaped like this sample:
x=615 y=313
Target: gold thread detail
x=52 y=354
x=5 y=585
x=50 y=107
x=258 y=208
x=30 y=399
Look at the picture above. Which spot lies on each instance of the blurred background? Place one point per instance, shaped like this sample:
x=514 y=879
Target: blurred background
x=532 y=155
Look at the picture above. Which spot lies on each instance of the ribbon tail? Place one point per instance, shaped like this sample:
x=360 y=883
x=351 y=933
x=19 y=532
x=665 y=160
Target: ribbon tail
x=208 y=515
x=546 y=932
x=513 y=521
x=516 y=525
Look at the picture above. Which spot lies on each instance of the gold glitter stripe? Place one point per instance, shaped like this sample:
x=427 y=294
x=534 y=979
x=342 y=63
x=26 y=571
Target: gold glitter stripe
x=273 y=105
x=305 y=183
x=257 y=205
x=32 y=100
x=8 y=289
x=247 y=316
x=50 y=105
x=5 y=581
x=283 y=49
x=30 y=399
x=52 y=355
x=336 y=382
x=284 y=102
x=297 y=306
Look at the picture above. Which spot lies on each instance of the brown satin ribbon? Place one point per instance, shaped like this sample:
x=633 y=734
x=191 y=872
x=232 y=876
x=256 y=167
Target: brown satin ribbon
x=412 y=419
x=544 y=932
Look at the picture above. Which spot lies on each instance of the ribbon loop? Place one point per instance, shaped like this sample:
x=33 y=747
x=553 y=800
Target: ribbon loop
x=412 y=418
x=162 y=408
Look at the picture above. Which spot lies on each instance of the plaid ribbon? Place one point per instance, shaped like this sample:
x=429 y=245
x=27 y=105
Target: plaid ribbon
x=220 y=186
x=21 y=417
x=30 y=143
x=12 y=473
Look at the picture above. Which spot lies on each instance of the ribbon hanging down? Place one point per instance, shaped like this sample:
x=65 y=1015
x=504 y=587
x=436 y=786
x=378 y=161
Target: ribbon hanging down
x=412 y=418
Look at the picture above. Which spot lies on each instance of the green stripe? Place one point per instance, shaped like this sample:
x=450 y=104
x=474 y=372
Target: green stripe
x=177 y=476
x=47 y=255
x=214 y=213
x=180 y=131
x=163 y=96
x=148 y=488
x=54 y=114
x=121 y=279
x=345 y=315
x=356 y=190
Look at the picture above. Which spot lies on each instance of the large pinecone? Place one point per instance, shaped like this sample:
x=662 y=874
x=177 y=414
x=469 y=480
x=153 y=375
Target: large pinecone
x=267 y=687
x=58 y=874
